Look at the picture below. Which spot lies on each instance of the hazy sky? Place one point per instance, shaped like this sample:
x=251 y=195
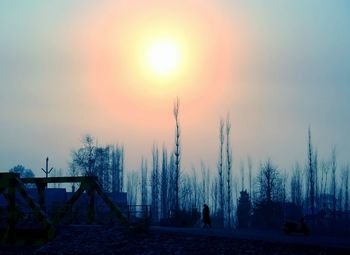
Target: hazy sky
x=68 y=68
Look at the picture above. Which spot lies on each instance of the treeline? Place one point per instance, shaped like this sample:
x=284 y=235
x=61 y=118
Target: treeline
x=238 y=194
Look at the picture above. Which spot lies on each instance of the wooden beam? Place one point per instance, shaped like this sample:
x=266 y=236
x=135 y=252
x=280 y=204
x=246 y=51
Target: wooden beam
x=58 y=179
x=110 y=204
x=71 y=201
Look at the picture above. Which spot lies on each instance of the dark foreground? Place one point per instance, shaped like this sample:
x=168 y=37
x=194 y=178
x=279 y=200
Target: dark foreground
x=100 y=240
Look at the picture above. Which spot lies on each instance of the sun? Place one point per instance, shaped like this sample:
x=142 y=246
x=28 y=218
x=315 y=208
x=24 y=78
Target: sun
x=163 y=57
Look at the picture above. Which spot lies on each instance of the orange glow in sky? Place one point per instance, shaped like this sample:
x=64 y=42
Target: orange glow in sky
x=141 y=56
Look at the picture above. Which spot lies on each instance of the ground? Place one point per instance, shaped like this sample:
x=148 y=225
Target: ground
x=102 y=240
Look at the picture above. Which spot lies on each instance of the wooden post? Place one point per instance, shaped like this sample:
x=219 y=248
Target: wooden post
x=46 y=170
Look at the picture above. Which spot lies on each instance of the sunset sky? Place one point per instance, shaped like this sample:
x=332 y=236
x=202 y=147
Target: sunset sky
x=115 y=68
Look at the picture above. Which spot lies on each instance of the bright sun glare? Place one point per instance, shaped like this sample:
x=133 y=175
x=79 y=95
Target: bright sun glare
x=163 y=57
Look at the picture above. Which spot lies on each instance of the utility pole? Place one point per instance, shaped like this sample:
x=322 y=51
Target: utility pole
x=46 y=170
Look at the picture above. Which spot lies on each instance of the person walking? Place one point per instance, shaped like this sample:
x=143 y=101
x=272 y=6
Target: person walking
x=206 y=216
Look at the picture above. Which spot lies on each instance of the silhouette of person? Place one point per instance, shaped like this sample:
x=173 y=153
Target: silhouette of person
x=206 y=217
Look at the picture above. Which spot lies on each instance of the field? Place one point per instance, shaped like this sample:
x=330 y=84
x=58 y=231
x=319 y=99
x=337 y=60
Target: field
x=101 y=240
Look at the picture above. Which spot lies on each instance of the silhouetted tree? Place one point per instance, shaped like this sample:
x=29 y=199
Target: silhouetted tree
x=268 y=179
x=177 y=153
x=22 y=171
x=102 y=167
x=229 y=166
x=121 y=172
x=196 y=195
x=268 y=209
x=187 y=192
x=205 y=184
x=311 y=187
x=164 y=184
x=316 y=180
x=214 y=194
x=84 y=158
x=132 y=187
x=243 y=210
x=144 y=190
x=283 y=189
x=334 y=184
x=171 y=186
x=296 y=186
x=155 y=183
x=250 y=176
x=242 y=174
x=324 y=181
x=220 y=169
x=117 y=168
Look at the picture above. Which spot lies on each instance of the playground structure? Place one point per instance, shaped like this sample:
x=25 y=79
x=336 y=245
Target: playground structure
x=11 y=185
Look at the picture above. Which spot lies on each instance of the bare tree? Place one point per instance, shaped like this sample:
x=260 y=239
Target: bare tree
x=296 y=186
x=102 y=167
x=242 y=174
x=155 y=183
x=84 y=158
x=144 y=186
x=268 y=181
x=117 y=168
x=250 y=167
x=334 y=184
x=196 y=194
x=316 y=188
x=177 y=152
x=187 y=194
x=220 y=169
x=121 y=176
x=284 y=180
x=229 y=166
x=132 y=187
x=214 y=194
x=324 y=181
x=205 y=184
x=311 y=175
x=164 y=184
x=171 y=186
